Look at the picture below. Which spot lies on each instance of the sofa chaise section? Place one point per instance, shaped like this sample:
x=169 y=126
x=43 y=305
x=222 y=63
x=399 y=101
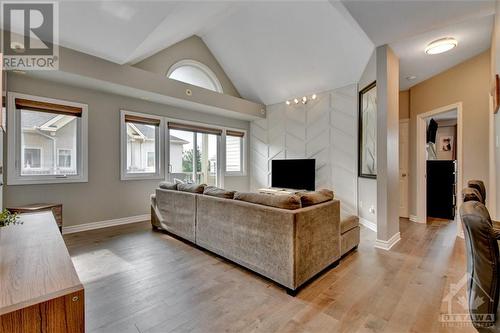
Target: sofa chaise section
x=349 y=233
x=287 y=246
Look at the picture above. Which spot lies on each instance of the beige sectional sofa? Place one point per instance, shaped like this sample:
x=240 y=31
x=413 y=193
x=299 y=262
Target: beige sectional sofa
x=288 y=246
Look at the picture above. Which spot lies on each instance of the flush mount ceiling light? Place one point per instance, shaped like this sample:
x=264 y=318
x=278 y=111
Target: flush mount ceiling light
x=411 y=77
x=441 y=45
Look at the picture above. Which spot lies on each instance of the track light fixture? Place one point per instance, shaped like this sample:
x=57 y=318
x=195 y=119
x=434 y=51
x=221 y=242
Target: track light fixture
x=303 y=100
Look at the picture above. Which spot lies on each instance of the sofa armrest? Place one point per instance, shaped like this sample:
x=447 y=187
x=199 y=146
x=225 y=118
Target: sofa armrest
x=317 y=239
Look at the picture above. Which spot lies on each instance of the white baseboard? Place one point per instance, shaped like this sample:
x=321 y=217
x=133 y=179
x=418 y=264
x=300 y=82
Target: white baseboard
x=368 y=224
x=414 y=218
x=104 y=224
x=388 y=244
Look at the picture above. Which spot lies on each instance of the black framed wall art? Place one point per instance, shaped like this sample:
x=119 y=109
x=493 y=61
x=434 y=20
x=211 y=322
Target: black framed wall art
x=367 y=140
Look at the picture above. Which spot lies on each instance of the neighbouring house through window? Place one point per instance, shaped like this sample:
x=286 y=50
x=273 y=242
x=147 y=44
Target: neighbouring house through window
x=32 y=158
x=141 y=146
x=64 y=158
x=47 y=143
x=151 y=159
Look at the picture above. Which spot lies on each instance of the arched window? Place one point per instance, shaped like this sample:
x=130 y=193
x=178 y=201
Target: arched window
x=195 y=73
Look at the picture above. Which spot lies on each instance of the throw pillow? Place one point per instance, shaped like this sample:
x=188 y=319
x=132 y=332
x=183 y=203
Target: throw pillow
x=218 y=192
x=284 y=201
x=193 y=188
x=168 y=186
x=315 y=197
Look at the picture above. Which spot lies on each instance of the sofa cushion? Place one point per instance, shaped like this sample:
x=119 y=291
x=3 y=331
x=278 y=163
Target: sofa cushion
x=219 y=192
x=315 y=197
x=168 y=186
x=349 y=240
x=193 y=188
x=348 y=222
x=278 y=201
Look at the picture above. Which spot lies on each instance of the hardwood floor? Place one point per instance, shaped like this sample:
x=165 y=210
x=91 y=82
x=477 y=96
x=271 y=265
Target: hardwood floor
x=137 y=280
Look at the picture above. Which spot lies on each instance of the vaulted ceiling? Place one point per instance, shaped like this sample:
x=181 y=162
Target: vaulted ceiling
x=275 y=50
x=409 y=26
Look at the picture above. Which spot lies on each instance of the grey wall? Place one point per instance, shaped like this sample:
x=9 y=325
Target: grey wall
x=104 y=196
x=387 y=146
x=190 y=48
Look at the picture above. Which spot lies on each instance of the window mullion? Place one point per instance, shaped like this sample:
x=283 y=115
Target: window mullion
x=195 y=153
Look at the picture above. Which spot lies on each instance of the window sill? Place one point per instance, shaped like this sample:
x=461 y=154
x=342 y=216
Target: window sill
x=147 y=176
x=235 y=174
x=46 y=180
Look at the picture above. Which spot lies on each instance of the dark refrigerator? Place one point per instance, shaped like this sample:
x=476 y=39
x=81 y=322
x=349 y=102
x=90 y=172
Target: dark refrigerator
x=441 y=189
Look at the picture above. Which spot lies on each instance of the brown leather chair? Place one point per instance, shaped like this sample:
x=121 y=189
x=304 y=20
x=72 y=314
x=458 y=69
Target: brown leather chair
x=478 y=185
x=471 y=194
x=483 y=283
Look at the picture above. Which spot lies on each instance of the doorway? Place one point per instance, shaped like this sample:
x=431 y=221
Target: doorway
x=440 y=150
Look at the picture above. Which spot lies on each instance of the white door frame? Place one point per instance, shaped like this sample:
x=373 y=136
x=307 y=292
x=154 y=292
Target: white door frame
x=421 y=159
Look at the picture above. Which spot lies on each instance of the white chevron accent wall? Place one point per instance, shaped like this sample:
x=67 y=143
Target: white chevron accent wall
x=324 y=129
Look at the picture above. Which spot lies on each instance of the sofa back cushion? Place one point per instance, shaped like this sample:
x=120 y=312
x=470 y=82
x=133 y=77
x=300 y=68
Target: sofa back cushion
x=218 y=192
x=315 y=197
x=192 y=188
x=177 y=212
x=168 y=186
x=278 y=201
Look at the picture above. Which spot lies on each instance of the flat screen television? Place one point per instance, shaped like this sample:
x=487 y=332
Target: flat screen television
x=294 y=174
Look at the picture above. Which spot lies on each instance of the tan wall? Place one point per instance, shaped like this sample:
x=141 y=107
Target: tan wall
x=404 y=104
x=494 y=196
x=468 y=83
x=104 y=196
x=190 y=48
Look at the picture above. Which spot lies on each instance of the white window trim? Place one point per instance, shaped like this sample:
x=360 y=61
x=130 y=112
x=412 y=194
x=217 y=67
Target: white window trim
x=14 y=159
x=221 y=156
x=32 y=147
x=202 y=67
x=159 y=149
x=243 y=156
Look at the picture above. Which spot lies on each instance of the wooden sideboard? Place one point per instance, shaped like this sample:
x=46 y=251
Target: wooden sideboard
x=40 y=290
x=33 y=208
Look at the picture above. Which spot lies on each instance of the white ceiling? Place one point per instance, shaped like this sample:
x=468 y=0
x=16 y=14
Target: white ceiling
x=408 y=26
x=271 y=50
x=129 y=31
x=275 y=50
x=473 y=36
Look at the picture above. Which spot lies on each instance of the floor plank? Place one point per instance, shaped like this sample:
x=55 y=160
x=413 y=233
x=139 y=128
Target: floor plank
x=138 y=280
